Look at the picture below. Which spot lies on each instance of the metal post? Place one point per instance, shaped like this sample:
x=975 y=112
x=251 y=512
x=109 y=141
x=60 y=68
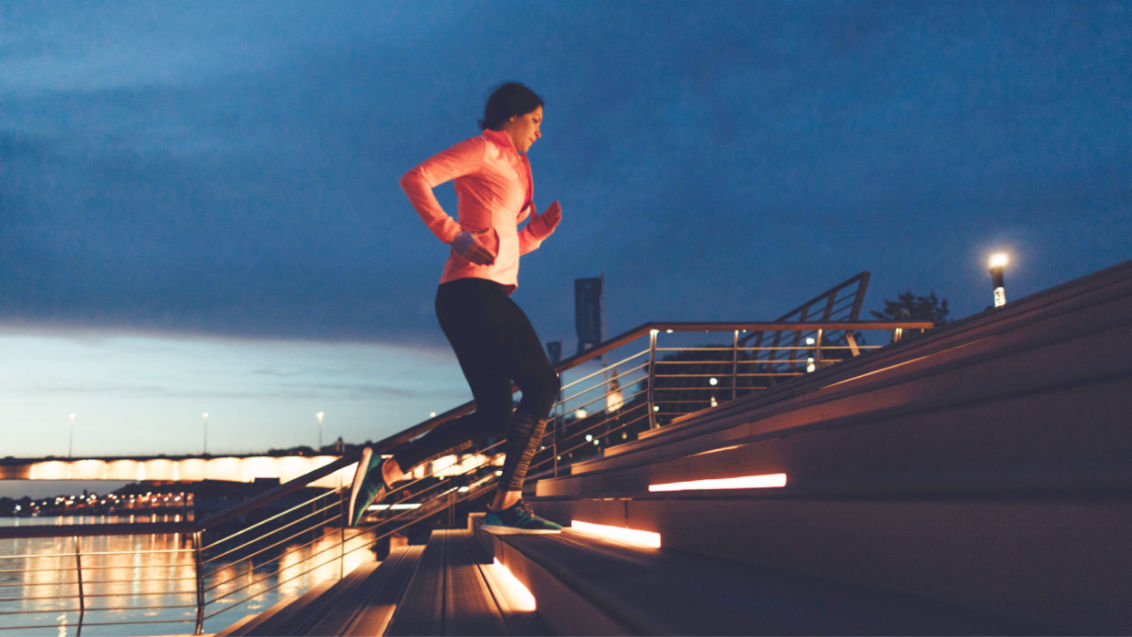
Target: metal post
x=199 y=568
x=817 y=350
x=652 y=377
x=342 y=528
x=554 y=438
x=735 y=365
x=82 y=600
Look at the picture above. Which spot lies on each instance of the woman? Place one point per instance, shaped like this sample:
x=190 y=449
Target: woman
x=493 y=340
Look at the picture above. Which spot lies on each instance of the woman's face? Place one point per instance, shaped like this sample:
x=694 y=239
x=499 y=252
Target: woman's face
x=524 y=129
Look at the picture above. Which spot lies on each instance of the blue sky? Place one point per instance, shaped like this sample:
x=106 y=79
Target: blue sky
x=218 y=181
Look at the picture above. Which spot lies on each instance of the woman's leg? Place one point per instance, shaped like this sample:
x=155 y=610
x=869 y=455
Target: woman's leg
x=464 y=315
x=495 y=343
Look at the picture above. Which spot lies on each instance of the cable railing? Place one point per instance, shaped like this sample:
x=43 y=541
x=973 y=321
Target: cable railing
x=209 y=573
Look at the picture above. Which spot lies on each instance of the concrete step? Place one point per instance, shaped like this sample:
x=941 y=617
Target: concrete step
x=452 y=593
x=268 y=622
x=359 y=604
x=587 y=586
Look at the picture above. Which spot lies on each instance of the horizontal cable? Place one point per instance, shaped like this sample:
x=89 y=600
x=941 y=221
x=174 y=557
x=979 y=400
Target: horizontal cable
x=266 y=520
x=268 y=534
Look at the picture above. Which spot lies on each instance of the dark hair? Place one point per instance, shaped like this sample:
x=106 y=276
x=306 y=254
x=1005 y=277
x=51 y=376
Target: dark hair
x=509 y=99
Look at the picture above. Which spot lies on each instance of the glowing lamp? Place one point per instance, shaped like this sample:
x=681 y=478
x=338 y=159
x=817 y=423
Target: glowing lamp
x=997 y=263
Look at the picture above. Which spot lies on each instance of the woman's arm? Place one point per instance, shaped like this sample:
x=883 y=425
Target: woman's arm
x=462 y=159
x=539 y=228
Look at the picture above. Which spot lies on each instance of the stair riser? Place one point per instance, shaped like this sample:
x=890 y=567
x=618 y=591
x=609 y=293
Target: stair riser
x=563 y=609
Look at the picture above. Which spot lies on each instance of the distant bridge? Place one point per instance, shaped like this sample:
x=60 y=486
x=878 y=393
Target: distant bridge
x=197 y=468
x=179 y=469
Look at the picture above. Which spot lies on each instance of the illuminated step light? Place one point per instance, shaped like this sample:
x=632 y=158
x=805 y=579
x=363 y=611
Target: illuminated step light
x=510 y=589
x=768 y=481
x=618 y=533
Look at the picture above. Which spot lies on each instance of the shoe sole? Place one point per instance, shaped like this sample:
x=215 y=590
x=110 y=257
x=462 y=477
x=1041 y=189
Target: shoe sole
x=356 y=485
x=512 y=530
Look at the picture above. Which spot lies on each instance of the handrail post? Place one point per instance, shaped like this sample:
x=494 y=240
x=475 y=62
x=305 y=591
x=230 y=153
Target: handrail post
x=554 y=434
x=82 y=600
x=735 y=366
x=817 y=350
x=342 y=529
x=199 y=569
x=652 y=377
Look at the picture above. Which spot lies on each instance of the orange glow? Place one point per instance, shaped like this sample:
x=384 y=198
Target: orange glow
x=767 y=481
x=508 y=587
x=635 y=537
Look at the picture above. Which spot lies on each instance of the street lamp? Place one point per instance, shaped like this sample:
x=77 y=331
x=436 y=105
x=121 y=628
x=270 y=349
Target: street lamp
x=319 y=416
x=204 y=418
x=998 y=261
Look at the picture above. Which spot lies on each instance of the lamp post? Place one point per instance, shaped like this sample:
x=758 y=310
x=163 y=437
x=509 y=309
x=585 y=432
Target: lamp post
x=998 y=261
x=204 y=419
x=319 y=416
x=71 y=439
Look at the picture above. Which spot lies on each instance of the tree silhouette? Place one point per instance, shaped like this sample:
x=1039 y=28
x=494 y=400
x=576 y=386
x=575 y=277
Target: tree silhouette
x=909 y=307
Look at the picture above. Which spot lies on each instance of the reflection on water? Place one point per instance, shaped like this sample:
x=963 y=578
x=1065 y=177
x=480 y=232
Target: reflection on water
x=150 y=578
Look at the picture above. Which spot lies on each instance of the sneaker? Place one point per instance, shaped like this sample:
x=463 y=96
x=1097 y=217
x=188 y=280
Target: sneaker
x=517 y=519
x=368 y=485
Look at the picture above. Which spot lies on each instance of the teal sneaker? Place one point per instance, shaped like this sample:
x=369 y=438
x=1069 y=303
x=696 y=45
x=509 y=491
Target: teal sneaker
x=368 y=486
x=518 y=519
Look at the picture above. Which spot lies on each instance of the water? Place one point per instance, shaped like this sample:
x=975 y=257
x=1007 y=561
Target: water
x=148 y=578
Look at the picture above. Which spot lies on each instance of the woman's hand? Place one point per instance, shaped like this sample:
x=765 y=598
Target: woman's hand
x=545 y=223
x=466 y=245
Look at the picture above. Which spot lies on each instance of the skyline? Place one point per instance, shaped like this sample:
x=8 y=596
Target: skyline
x=210 y=191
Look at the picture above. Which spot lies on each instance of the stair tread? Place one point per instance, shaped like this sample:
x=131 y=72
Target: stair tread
x=381 y=594
x=271 y=621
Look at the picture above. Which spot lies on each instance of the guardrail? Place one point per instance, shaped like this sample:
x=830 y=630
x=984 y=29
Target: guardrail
x=290 y=537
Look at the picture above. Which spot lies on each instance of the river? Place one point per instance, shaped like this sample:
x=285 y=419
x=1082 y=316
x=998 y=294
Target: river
x=147 y=578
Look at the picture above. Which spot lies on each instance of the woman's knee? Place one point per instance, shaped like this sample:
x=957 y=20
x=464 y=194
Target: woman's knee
x=542 y=390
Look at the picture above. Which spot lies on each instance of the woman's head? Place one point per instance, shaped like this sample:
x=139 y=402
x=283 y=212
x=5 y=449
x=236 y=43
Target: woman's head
x=517 y=110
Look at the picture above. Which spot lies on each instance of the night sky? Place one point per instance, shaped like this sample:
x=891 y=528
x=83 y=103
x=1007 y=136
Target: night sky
x=203 y=196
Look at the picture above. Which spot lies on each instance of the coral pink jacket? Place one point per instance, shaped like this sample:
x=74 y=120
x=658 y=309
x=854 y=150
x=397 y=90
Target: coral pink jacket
x=494 y=193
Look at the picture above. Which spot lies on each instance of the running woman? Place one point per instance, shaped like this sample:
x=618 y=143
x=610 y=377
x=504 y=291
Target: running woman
x=492 y=338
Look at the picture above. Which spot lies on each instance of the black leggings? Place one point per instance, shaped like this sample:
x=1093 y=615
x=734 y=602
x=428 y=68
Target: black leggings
x=495 y=344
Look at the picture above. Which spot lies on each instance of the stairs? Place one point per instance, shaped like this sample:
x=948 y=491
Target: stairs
x=975 y=480
x=442 y=588
x=986 y=465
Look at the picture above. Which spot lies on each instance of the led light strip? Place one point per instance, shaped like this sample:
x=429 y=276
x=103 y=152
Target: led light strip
x=618 y=533
x=767 y=481
x=514 y=594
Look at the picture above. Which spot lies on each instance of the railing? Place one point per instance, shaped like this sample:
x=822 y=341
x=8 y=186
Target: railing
x=207 y=574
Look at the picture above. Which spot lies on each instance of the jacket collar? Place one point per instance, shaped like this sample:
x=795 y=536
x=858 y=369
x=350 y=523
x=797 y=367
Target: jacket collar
x=501 y=138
